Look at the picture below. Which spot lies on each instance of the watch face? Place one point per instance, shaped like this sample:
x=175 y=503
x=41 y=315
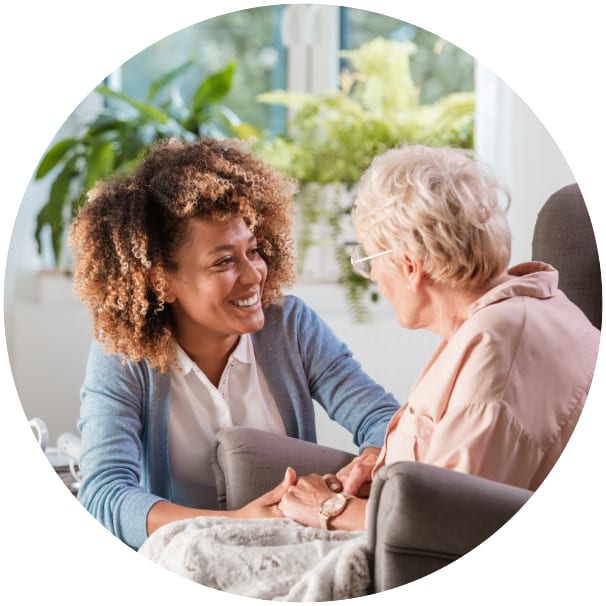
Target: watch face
x=334 y=504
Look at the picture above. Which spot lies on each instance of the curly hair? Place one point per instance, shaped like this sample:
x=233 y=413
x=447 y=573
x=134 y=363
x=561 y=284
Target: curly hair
x=132 y=223
x=439 y=205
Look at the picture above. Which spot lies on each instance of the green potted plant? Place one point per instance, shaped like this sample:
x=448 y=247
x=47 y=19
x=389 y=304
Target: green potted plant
x=332 y=138
x=119 y=135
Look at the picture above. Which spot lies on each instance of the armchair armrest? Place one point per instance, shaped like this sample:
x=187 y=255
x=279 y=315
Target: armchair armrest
x=421 y=517
x=248 y=462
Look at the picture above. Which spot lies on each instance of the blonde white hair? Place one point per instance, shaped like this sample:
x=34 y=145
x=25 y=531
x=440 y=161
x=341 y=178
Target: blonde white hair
x=438 y=205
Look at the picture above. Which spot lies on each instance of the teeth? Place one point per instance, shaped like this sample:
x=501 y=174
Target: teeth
x=246 y=302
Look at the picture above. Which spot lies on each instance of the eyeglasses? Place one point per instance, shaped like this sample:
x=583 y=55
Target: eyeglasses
x=360 y=261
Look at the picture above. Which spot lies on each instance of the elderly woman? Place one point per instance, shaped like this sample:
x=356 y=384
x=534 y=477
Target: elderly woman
x=502 y=393
x=182 y=265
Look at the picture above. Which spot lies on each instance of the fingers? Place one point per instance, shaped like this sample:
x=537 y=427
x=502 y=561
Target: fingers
x=274 y=495
x=290 y=479
x=290 y=476
x=332 y=482
x=312 y=486
x=359 y=475
x=301 y=501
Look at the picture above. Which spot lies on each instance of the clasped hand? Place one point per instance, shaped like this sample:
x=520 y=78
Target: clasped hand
x=300 y=498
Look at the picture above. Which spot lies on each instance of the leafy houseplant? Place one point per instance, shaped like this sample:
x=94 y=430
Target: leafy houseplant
x=119 y=135
x=332 y=138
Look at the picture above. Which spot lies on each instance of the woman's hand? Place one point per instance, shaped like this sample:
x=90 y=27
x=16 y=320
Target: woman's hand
x=302 y=501
x=355 y=478
x=266 y=506
x=302 y=504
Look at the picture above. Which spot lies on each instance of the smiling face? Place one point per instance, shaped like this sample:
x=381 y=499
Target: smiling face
x=216 y=291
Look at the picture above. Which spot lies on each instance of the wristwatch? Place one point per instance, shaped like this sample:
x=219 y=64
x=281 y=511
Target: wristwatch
x=332 y=507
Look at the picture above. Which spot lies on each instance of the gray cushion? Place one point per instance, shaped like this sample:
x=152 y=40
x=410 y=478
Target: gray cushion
x=248 y=462
x=564 y=238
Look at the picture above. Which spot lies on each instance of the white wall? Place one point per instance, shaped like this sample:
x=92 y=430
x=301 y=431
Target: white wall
x=511 y=139
x=47 y=330
x=47 y=339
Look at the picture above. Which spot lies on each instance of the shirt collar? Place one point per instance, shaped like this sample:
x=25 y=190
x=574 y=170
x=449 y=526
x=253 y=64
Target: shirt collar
x=531 y=279
x=242 y=353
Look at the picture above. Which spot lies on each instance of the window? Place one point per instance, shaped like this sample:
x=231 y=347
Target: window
x=289 y=46
x=252 y=36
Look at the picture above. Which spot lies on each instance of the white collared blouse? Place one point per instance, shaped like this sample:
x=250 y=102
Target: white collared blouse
x=198 y=410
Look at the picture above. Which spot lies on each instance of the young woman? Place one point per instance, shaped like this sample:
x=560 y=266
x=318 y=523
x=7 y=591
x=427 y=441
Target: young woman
x=182 y=264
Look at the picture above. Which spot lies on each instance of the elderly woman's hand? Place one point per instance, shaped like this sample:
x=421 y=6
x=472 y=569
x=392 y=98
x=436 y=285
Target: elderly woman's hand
x=355 y=477
x=303 y=501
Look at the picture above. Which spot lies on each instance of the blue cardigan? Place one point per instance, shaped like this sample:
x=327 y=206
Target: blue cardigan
x=124 y=412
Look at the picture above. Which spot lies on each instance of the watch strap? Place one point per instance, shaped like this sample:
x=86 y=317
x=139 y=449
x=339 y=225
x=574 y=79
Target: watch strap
x=324 y=517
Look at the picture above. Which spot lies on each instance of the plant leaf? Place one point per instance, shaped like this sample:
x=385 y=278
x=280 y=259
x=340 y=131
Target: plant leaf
x=213 y=89
x=121 y=133
x=234 y=126
x=245 y=131
x=284 y=98
x=104 y=122
x=99 y=163
x=157 y=85
x=55 y=155
x=52 y=213
x=147 y=111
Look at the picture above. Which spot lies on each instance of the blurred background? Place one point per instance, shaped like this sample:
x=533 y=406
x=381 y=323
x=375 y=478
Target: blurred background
x=317 y=90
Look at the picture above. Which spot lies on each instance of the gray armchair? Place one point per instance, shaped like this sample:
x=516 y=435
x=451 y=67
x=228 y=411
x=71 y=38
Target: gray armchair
x=421 y=517
x=563 y=237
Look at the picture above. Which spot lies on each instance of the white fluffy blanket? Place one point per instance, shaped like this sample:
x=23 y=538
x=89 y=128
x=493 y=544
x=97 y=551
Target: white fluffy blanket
x=272 y=559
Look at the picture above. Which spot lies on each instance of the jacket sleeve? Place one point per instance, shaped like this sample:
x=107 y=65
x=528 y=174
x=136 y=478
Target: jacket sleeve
x=111 y=425
x=338 y=383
